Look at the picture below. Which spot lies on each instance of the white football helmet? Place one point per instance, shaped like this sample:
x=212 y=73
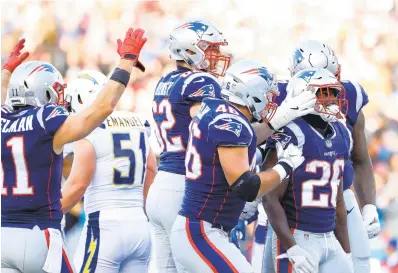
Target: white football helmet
x=250 y=84
x=36 y=83
x=198 y=44
x=83 y=89
x=330 y=102
x=314 y=54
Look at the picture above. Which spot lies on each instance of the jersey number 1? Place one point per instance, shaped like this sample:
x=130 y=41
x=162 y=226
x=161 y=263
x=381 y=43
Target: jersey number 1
x=22 y=187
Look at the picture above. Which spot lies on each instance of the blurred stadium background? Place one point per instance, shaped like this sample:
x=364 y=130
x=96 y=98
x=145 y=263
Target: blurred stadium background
x=75 y=35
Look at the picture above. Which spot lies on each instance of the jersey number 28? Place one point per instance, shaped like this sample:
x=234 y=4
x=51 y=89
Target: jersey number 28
x=331 y=174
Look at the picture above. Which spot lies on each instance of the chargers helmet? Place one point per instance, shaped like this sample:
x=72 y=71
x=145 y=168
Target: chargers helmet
x=83 y=89
x=198 y=44
x=315 y=54
x=36 y=83
x=330 y=93
x=250 y=84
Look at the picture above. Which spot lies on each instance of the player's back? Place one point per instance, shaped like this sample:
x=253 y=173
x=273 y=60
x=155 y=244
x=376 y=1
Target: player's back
x=310 y=198
x=207 y=193
x=121 y=147
x=174 y=95
x=31 y=170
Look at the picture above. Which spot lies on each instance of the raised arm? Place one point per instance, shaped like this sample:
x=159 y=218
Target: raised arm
x=81 y=124
x=290 y=109
x=15 y=59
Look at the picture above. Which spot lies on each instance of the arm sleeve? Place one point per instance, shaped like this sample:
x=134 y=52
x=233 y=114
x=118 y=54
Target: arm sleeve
x=285 y=137
x=199 y=86
x=282 y=92
x=51 y=117
x=357 y=99
x=147 y=128
x=230 y=130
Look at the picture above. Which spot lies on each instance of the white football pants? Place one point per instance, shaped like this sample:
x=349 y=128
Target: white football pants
x=115 y=240
x=162 y=206
x=33 y=251
x=199 y=248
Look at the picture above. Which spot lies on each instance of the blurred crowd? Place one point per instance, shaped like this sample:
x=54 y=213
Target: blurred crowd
x=75 y=35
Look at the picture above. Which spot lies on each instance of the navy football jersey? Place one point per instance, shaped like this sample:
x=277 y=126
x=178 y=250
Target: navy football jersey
x=357 y=98
x=208 y=195
x=174 y=95
x=31 y=170
x=310 y=198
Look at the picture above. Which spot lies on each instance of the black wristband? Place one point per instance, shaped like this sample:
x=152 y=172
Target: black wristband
x=121 y=76
x=288 y=169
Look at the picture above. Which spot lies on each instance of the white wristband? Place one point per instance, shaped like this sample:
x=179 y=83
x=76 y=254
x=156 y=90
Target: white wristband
x=280 y=170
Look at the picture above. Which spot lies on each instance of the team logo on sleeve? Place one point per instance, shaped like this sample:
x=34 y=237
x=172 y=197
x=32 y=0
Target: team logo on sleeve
x=58 y=111
x=231 y=126
x=204 y=91
x=282 y=138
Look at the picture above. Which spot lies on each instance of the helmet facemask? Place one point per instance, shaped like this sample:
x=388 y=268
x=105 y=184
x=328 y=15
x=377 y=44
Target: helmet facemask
x=56 y=92
x=331 y=103
x=270 y=109
x=214 y=61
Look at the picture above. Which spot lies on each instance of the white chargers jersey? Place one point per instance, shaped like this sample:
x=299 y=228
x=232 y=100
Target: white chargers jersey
x=122 y=147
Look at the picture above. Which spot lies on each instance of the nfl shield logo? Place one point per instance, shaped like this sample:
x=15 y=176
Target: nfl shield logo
x=328 y=143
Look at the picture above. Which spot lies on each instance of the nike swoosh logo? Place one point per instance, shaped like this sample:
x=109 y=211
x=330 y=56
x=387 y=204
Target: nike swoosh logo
x=201 y=80
x=349 y=211
x=295 y=108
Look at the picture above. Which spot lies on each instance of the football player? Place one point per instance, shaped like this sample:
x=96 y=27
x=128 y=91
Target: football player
x=35 y=128
x=196 y=48
x=359 y=168
x=307 y=210
x=110 y=166
x=221 y=155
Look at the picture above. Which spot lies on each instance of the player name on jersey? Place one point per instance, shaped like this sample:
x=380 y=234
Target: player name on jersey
x=22 y=124
x=117 y=121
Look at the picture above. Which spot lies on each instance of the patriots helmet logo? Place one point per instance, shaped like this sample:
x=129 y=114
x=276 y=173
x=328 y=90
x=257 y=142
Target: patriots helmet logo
x=282 y=138
x=231 y=126
x=204 y=91
x=196 y=26
x=297 y=57
x=43 y=67
x=262 y=72
x=306 y=75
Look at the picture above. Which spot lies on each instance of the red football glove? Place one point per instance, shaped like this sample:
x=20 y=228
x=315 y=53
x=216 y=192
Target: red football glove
x=131 y=47
x=16 y=58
